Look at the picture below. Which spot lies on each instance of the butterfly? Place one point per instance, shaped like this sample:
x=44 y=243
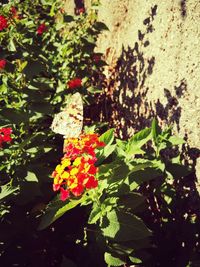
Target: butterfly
x=69 y=122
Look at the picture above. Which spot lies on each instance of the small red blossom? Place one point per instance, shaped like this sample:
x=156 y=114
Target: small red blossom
x=78 y=190
x=2 y=64
x=76 y=82
x=5 y=135
x=41 y=28
x=64 y=194
x=3 y=23
x=91 y=183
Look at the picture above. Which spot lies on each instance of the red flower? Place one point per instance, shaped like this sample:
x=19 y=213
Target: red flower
x=91 y=183
x=41 y=28
x=64 y=194
x=56 y=187
x=5 y=135
x=77 y=170
x=78 y=190
x=2 y=64
x=3 y=23
x=76 y=82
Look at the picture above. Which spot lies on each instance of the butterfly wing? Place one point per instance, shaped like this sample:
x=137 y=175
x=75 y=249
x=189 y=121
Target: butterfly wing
x=69 y=122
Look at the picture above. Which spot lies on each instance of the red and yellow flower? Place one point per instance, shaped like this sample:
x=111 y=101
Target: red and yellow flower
x=86 y=143
x=77 y=170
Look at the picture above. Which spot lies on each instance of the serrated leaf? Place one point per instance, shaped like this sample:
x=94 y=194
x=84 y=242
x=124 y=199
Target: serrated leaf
x=131 y=200
x=141 y=176
x=124 y=227
x=95 y=214
x=120 y=172
x=56 y=209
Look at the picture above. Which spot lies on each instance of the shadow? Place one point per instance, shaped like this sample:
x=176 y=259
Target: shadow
x=183 y=8
x=124 y=106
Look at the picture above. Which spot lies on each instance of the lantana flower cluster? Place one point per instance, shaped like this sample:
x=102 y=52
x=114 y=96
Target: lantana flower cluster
x=5 y=135
x=77 y=170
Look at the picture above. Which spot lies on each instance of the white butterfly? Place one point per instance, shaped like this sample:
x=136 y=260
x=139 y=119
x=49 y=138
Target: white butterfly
x=69 y=122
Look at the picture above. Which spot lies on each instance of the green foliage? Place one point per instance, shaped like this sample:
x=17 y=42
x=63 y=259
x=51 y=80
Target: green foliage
x=135 y=176
x=33 y=87
x=117 y=203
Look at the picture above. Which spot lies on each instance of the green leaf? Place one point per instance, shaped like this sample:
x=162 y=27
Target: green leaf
x=7 y=190
x=95 y=214
x=11 y=45
x=155 y=129
x=131 y=200
x=107 y=137
x=14 y=116
x=141 y=176
x=56 y=209
x=113 y=261
x=41 y=107
x=175 y=140
x=178 y=171
x=31 y=177
x=103 y=153
x=135 y=260
x=121 y=147
x=137 y=141
x=52 y=11
x=120 y=172
x=33 y=68
x=94 y=90
x=124 y=227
